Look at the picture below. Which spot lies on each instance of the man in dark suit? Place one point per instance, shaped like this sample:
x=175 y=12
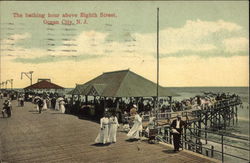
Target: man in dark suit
x=177 y=126
x=40 y=105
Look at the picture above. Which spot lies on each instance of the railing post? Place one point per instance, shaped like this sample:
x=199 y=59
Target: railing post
x=206 y=152
x=233 y=114
x=236 y=115
x=182 y=146
x=170 y=137
x=185 y=133
x=206 y=117
x=222 y=149
x=212 y=151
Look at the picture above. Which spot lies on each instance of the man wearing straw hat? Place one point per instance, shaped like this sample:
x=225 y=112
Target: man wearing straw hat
x=176 y=127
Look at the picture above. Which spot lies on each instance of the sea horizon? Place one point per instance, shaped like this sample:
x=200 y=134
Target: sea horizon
x=173 y=87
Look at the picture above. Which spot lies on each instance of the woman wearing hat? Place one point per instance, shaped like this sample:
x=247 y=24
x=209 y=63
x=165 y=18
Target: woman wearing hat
x=45 y=103
x=103 y=136
x=61 y=106
x=134 y=132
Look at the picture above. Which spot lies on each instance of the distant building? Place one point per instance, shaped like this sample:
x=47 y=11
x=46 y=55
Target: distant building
x=44 y=85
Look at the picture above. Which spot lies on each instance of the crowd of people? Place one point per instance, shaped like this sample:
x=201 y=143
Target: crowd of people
x=204 y=101
x=43 y=101
x=79 y=105
x=128 y=111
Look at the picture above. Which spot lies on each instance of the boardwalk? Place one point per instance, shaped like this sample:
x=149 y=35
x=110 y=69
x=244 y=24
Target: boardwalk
x=54 y=137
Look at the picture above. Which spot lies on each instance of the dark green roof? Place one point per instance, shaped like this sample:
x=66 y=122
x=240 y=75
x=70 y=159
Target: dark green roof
x=77 y=90
x=124 y=83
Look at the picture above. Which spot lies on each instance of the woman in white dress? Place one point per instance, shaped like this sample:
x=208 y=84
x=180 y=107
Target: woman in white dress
x=57 y=104
x=103 y=136
x=62 y=107
x=45 y=104
x=134 y=132
x=113 y=125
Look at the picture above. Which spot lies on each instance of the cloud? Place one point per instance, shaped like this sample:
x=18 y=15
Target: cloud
x=88 y=42
x=49 y=59
x=195 y=37
x=15 y=38
x=236 y=44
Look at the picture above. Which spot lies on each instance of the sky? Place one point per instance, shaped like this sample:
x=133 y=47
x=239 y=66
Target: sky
x=202 y=43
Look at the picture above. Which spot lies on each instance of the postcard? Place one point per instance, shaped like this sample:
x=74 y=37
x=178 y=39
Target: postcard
x=80 y=81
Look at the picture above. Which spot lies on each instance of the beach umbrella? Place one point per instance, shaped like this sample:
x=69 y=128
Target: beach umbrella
x=37 y=97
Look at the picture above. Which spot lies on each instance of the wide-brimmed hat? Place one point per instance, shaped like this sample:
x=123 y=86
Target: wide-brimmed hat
x=134 y=106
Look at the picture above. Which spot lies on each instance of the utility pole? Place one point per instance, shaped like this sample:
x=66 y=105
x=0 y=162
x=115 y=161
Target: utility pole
x=10 y=81
x=3 y=84
x=28 y=75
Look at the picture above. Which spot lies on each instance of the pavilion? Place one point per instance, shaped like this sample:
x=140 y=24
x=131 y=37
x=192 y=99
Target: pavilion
x=123 y=83
x=117 y=86
x=44 y=85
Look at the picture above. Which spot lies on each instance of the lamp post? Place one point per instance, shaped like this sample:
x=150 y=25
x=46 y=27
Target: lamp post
x=9 y=81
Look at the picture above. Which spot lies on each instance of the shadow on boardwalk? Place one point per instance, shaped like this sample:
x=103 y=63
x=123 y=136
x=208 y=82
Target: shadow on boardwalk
x=101 y=145
x=170 y=151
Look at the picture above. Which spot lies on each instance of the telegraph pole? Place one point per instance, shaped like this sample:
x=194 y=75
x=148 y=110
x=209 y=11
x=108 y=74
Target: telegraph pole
x=28 y=75
x=3 y=84
x=10 y=81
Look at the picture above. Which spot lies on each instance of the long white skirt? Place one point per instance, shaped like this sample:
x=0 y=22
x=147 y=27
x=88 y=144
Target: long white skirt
x=45 y=105
x=62 y=108
x=112 y=132
x=134 y=132
x=57 y=106
x=103 y=136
